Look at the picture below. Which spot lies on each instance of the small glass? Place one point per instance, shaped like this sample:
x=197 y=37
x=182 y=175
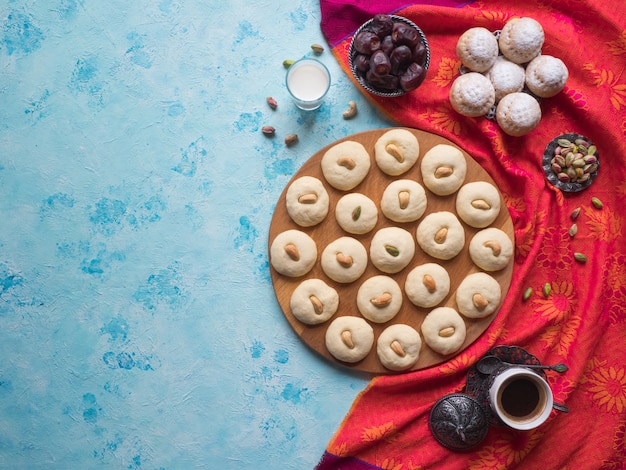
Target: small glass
x=308 y=81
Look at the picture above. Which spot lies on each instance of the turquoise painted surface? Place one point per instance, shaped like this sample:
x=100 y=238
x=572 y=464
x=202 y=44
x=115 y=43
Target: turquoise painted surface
x=138 y=325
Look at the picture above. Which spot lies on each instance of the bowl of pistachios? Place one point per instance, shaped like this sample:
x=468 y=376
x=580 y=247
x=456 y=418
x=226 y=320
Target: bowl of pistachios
x=389 y=55
x=571 y=162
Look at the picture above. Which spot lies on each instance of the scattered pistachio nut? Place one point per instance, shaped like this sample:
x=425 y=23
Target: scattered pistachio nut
x=397 y=348
x=573 y=230
x=581 y=258
x=268 y=131
x=318 y=307
x=317 y=48
x=527 y=293
x=547 y=289
x=575 y=213
x=292 y=251
x=271 y=102
x=382 y=300
x=597 y=203
x=291 y=139
x=287 y=63
x=346 y=337
x=351 y=111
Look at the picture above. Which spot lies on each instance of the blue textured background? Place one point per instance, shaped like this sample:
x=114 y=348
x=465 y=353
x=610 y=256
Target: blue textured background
x=138 y=324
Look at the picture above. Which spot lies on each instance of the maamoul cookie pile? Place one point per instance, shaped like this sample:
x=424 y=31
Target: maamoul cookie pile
x=501 y=71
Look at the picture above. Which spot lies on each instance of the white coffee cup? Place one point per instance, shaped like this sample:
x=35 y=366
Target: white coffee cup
x=521 y=398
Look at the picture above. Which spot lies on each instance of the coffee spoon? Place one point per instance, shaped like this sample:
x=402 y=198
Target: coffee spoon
x=489 y=364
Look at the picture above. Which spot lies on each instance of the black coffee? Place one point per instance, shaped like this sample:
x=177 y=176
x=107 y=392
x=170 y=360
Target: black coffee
x=520 y=397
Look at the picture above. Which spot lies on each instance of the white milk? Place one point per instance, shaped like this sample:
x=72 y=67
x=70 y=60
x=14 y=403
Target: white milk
x=308 y=81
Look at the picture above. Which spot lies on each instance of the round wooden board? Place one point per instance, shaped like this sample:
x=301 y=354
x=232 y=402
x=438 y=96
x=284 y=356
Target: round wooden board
x=328 y=230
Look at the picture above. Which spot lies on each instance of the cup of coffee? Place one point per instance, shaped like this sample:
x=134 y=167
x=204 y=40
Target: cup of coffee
x=521 y=398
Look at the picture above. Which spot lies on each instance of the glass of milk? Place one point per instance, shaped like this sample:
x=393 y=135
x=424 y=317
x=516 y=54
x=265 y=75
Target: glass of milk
x=308 y=81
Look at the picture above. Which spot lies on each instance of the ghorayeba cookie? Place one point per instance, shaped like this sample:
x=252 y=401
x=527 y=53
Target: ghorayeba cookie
x=345 y=165
x=307 y=201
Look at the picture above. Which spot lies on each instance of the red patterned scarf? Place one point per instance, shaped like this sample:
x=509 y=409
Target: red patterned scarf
x=583 y=321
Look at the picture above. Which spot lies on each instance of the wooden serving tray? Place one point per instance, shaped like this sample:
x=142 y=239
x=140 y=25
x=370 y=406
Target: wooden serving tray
x=328 y=230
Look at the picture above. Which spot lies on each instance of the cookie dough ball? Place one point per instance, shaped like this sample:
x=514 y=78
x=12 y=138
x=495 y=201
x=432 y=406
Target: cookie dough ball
x=427 y=285
x=293 y=253
x=441 y=235
x=398 y=347
x=379 y=299
x=546 y=76
x=307 y=201
x=491 y=249
x=314 y=302
x=477 y=48
x=521 y=39
x=396 y=151
x=506 y=77
x=478 y=204
x=443 y=169
x=392 y=249
x=518 y=113
x=478 y=295
x=356 y=213
x=444 y=330
x=403 y=200
x=345 y=165
x=472 y=94
x=349 y=339
x=344 y=260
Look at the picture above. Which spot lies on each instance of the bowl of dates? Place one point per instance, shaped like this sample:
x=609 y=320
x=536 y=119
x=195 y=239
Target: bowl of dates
x=389 y=55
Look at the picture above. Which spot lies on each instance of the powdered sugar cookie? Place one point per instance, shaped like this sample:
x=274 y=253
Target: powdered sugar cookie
x=472 y=94
x=398 y=347
x=314 y=302
x=349 y=339
x=403 y=200
x=506 y=77
x=356 y=213
x=344 y=260
x=441 y=235
x=396 y=151
x=478 y=204
x=307 y=201
x=477 y=48
x=518 y=113
x=478 y=295
x=379 y=299
x=346 y=164
x=546 y=75
x=521 y=39
x=392 y=249
x=444 y=330
x=427 y=285
x=491 y=249
x=293 y=253
x=443 y=169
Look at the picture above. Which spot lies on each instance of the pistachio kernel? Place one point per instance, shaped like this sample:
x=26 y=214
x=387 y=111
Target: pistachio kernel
x=527 y=293
x=597 y=203
x=547 y=289
x=581 y=258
